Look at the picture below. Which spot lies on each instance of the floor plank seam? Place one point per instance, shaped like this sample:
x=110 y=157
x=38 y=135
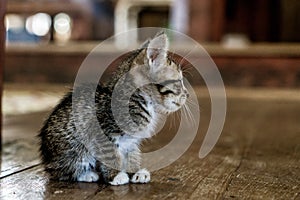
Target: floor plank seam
x=203 y=179
x=231 y=176
x=228 y=181
x=19 y=171
x=100 y=189
x=297 y=196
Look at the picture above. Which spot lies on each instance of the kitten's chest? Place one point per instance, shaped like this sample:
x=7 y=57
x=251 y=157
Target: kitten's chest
x=130 y=141
x=127 y=143
x=148 y=130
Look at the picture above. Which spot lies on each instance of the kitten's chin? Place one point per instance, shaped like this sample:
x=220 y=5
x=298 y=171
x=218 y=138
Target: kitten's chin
x=172 y=105
x=168 y=107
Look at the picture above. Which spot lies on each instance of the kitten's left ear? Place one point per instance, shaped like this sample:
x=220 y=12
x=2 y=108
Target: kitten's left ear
x=157 y=50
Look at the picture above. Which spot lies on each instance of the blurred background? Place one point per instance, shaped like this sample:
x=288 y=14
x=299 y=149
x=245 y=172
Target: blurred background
x=47 y=21
x=44 y=37
x=254 y=43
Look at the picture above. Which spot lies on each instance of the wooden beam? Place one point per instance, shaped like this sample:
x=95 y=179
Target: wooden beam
x=49 y=7
x=2 y=46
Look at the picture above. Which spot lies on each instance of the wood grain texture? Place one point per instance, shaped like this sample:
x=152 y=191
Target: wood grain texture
x=257 y=157
x=18 y=155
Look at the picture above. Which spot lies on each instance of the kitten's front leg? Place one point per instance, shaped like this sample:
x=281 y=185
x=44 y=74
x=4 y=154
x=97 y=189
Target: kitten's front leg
x=130 y=163
x=140 y=175
x=120 y=179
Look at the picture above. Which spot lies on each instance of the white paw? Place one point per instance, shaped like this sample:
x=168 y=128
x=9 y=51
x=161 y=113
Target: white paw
x=142 y=176
x=121 y=179
x=88 y=176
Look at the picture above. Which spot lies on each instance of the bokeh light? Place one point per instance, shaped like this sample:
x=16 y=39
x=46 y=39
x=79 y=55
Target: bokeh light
x=62 y=23
x=62 y=27
x=38 y=24
x=14 y=22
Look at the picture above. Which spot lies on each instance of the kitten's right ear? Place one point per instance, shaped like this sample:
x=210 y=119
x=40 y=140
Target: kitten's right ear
x=157 y=51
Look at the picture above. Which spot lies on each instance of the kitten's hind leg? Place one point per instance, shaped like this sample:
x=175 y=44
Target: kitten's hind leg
x=66 y=169
x=85 y=171
x=79 y=167
x=88 y=176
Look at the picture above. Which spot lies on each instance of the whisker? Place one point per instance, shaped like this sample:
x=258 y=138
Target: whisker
x=173 y=121
x=190 y=115
x=177 y=117
x=188 y=73
x=186 y=113
x=192 y=103
x=170 y=120
x=181 y=61
x=187 y=67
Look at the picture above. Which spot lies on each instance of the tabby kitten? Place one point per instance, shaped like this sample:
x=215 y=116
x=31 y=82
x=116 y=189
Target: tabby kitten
x=75 y=146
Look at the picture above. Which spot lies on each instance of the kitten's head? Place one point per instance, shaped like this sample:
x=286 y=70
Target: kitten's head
x=153 y=64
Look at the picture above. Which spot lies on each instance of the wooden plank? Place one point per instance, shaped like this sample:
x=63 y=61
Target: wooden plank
x=229 y=171
x=34 y=184
x=257 y=157
x=25 y=185
x=177 y=181
x=18 y=155
x=270 y=169
x=240 y=130
x=22 y=176
x=20 y=145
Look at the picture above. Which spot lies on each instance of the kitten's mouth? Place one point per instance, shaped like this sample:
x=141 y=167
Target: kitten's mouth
x=174 y=107
x=177 y=104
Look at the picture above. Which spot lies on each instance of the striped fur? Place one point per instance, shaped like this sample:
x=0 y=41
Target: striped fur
x=83 y=138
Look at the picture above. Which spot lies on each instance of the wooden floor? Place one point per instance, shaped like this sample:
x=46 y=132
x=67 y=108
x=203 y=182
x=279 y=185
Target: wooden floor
x=257 y=157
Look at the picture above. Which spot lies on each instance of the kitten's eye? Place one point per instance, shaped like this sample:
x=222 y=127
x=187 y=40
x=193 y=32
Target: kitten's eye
x=166 y=92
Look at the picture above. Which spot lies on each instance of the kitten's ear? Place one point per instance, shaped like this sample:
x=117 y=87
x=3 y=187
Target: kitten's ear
x=157 y=50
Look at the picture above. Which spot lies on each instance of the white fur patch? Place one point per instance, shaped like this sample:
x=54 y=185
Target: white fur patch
x=127 y=143
x=142 y=176
x=88 y=176
x=121 y=179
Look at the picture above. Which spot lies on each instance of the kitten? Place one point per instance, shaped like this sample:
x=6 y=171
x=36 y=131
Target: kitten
x=75 y=146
